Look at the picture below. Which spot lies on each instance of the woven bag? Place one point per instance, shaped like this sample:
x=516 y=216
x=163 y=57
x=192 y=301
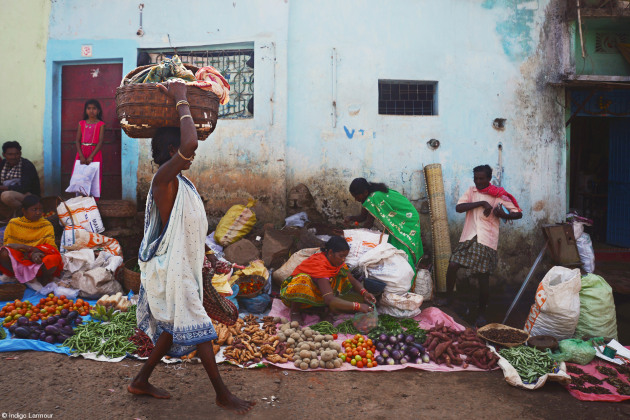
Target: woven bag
x=217 y=307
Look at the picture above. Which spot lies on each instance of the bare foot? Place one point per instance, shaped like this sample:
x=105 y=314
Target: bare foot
x=147 y=389
x=231 y=402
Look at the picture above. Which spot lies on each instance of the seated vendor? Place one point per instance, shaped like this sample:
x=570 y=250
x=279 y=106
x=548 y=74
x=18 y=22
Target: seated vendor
x=29 y=249
x=319 y=281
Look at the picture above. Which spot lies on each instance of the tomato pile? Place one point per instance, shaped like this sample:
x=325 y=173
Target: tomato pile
x=360 y=352
x=47 y=307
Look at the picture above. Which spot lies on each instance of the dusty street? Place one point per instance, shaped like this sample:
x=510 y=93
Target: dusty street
x=47 y=383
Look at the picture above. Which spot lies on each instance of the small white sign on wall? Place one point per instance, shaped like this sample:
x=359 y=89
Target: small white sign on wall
x=86 y=51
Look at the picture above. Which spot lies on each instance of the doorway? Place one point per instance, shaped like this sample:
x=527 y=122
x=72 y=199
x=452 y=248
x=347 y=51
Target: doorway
x=80 y=83
x=600 y=176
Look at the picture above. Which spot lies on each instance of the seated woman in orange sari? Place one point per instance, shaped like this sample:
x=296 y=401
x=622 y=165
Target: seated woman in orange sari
x=29 y=249
x=320 y=279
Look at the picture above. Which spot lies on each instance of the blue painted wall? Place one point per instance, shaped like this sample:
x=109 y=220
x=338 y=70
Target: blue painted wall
x=489 y=58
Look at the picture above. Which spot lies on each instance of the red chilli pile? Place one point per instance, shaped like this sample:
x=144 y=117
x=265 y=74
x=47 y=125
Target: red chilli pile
x=462 y=348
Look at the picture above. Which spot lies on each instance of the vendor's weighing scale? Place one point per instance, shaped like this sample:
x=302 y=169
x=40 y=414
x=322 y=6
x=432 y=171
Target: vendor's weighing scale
x=560 y=242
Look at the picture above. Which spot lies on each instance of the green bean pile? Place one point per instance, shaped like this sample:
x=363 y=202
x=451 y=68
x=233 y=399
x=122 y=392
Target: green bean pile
x=346 y=327
x=109 y=339
x=324 y=328
x=530 y=363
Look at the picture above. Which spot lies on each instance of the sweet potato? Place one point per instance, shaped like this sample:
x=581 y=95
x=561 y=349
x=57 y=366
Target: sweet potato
x=441 y=348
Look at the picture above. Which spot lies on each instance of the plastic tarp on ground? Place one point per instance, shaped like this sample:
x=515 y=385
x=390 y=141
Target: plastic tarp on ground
x=427 y=319
x=591 y=369
x=19 y=344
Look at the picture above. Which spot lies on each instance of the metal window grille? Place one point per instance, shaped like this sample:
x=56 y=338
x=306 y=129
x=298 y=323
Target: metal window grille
x=406 y=97
x=236 y=65
x=606 y=42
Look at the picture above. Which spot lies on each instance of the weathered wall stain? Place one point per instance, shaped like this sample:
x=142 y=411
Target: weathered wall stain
x=515 y=26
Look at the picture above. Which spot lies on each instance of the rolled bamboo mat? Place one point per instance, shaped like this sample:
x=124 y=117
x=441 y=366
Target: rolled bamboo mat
x=439 y=224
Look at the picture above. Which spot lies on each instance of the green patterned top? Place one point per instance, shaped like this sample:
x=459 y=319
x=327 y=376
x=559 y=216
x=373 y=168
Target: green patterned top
x=401 y=219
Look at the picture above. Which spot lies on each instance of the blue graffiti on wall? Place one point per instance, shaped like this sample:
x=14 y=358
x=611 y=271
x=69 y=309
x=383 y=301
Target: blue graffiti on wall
x=363 y=133
x=515 y=29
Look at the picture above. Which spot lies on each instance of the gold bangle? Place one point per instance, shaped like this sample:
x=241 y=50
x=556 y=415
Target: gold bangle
x=210 y=252
x=181 y=103
x=329 y=293
x=186 y=116
x=190 y=159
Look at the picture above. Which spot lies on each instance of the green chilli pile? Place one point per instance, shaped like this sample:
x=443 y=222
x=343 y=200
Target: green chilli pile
x=530 y=363
x=110 y=339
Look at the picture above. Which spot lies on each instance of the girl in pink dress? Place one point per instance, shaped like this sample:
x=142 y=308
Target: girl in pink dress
x=90 y=139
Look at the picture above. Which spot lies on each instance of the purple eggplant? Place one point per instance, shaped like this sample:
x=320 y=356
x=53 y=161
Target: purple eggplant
x=380 y=360
x=50 y=339
x=67 y=330
x=22 y=321
x=393 y=339
x=385 y=353
x=390 y=361
x=410 y=339
x=380 y=346
x=400 y=337
x=22 y=332
x=61 y=338
x=404 y=348
x=404 y=360
x=413 y=351
x=51 y=330
x=12 y=328
x=396 y=354
x=389 y=347
x=42 y=336
x=64 y=313
x=383 y=338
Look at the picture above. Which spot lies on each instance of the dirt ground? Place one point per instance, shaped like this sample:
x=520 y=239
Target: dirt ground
x=69 y=388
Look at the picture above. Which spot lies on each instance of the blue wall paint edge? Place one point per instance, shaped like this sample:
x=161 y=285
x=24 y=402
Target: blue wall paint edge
x=68 y=52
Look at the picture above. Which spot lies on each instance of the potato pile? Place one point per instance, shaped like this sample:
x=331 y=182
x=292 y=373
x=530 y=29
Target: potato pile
x=311 y=349
x=249 y=343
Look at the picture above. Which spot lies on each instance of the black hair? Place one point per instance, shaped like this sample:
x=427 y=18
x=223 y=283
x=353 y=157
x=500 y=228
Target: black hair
x=164 y=137
x=361 y=185
x=336 y=244
x=483 y=168
x=11 y=145
x=29 y=201
x=94 y=102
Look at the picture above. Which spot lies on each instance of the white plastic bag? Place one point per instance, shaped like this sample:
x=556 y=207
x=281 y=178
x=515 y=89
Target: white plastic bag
x=57 y=290
x=556 y=309
x=389 y=264
x=424 y=284
x=81 y=211
x=585 y=249
x=85 y=179
x=513 y=378
x=400 y=306
x=361 y=241
x=298 y=219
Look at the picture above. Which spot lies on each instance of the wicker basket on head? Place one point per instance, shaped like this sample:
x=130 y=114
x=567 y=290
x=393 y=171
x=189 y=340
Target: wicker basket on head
x=131 y=279
x=142 y=108
x=11 y=291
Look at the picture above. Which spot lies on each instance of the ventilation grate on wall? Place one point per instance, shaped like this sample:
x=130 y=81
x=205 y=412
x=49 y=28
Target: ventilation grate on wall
x=606 y=42
x=407 y=97
x=236 y=65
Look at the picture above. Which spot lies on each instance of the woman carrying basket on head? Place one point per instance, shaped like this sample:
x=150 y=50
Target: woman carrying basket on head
x=170 y=308
x=89 y=142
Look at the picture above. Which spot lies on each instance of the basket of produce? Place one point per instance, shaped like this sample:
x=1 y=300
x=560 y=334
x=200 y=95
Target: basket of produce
x=131 y=275
x=11 y=291
x=250 y=286
x=503 y=335
x=143 y=107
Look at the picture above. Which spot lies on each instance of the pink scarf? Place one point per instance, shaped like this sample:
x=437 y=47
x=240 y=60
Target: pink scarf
x=501 y=193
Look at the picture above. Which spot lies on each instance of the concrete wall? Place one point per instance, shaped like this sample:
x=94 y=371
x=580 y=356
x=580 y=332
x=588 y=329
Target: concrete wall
x=23 y=46
x=491 y=59
x=610 y=63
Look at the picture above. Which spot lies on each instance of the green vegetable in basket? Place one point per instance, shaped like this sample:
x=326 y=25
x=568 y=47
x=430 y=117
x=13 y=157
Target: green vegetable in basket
x=530 y=364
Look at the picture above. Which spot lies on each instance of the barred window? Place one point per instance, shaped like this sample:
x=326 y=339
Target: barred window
x=236 y=65
x=407 y=97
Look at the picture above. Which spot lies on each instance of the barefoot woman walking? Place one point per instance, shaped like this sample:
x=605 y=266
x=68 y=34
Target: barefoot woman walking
x=170 y=309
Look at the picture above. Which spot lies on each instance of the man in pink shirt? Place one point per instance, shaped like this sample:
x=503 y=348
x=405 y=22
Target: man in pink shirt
x=485 y=205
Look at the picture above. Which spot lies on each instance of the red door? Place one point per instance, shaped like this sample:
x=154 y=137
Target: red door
x=80 y=83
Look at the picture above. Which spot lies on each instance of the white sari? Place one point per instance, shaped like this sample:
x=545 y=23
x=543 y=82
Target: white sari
x=171 y=258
